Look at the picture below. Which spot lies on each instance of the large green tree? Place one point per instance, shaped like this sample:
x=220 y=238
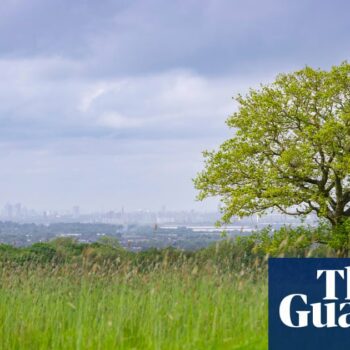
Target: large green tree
x=290 y=149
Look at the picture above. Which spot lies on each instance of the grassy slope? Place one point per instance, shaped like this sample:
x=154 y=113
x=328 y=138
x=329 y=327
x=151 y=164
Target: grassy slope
x=168 y=308
x=66 y=295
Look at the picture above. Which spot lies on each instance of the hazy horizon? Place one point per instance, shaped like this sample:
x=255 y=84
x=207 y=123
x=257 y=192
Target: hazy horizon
x=109 y=104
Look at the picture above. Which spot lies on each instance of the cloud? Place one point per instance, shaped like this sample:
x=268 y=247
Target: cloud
x=106 y=142
x=118 y=121
x=118 y=98
x=137 y=37
x=37 y=109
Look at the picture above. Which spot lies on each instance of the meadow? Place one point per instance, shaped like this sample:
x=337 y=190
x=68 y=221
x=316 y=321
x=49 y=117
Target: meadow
x=67 y=295
x=45 y=308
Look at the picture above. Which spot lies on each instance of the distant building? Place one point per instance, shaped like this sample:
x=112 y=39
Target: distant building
x=76 y=211
x=8 y=210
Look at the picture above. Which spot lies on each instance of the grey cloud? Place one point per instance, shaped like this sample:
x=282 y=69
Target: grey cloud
x=167 y=105
x=39 y=27
x=111 y=102
x=122 y=38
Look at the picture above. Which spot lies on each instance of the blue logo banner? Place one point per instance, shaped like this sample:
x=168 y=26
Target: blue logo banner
x=309 y=304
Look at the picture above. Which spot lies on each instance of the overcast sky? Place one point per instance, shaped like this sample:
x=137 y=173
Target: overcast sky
x=109 y=103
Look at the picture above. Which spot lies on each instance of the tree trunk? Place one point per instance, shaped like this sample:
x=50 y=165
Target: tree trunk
x=343 y=252
x=339 y=228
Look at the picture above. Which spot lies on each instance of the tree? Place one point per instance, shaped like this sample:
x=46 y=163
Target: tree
x=290 y=149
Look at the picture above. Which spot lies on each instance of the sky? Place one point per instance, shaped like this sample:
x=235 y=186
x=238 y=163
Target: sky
x=105 y=104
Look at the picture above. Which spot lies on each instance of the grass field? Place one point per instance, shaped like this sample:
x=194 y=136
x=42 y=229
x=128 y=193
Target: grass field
x=66 y=307
x=66 y=295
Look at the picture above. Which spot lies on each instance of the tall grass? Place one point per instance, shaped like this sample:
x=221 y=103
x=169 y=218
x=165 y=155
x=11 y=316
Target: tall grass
x=67 y=295
x=188 y=306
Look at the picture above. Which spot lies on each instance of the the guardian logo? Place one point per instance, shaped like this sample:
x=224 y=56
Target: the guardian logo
x=309 y=304
x=316 y=310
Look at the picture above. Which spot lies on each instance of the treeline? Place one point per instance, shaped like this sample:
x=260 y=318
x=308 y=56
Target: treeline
x=22 y=233
x=228 y=254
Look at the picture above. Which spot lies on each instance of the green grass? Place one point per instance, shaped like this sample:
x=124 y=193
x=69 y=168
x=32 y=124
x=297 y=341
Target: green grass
x=68 y=307
x=66 y=295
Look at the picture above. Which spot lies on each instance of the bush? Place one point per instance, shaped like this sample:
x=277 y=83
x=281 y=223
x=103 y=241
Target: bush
x=234 y=254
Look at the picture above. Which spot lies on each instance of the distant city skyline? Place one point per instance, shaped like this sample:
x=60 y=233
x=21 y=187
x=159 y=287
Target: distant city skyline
x=110 y=103
x=78 y=208
x=17 y=212
x=17 y=209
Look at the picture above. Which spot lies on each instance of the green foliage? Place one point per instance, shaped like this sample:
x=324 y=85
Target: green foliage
x=36 y=253
x=67 y=249
x=169 y=308
x=339 y=239
x=289 y=242
x=110 y=242
x=42 y=252
x=228 y=254
x=8 y=252
x=290 y=150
